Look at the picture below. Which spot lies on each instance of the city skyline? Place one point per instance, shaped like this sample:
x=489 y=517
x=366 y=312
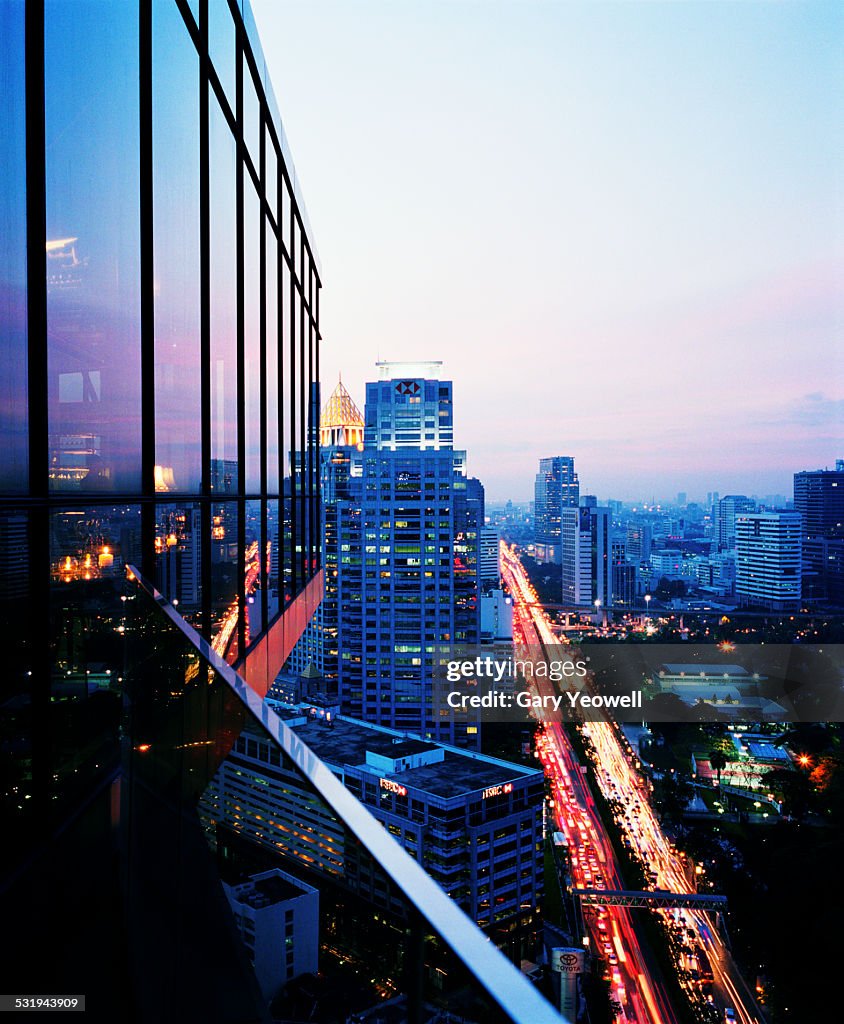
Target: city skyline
x=641 y=195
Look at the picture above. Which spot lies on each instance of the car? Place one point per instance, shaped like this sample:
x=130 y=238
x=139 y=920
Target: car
x=729 y=1015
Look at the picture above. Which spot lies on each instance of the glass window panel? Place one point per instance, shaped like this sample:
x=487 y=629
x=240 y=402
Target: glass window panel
x=297 y=445
x=221 y=46
x=13 y=333
x=224 y=607
x=178 y=556
x=251 y=117
x=273 y=412
x=252 y=335
x=295 y=249
x=254 y=573
x=273 y=559
x=271 y=174
x=92 y=178
x=89 y=551
x=223 y=186
x=175 y=121
x=287 y=579
x=285 y=215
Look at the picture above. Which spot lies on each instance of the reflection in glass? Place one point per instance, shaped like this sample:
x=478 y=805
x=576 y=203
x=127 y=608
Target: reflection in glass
x=178 y=556
x=252 y=335
x=273 y=559
x=273 y=343
x=254 y=580
x=175 y=123
x=89 y=550
x=93 y=283
x=13 y=333
x=225 y=577
x=224 y=478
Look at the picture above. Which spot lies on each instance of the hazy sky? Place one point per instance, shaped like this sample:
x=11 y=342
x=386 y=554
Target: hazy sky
x=620 y=226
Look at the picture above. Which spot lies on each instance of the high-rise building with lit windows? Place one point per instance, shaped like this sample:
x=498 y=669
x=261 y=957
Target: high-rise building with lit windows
x=556 y=487
x=819 y=499
x=768 y=560
x=402 y=528
x=586 y=555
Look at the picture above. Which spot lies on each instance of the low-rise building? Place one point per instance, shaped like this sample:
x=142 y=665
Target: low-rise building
x=474 y=822
x=278 y=919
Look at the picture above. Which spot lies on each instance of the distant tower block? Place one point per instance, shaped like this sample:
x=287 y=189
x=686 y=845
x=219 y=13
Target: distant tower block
x=341 y=422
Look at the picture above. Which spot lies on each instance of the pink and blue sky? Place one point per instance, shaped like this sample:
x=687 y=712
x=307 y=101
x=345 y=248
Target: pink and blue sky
x=620 y=226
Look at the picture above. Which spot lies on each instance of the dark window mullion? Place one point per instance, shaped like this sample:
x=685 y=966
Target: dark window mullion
x=241 y=356
x=262 y=242
x=205 y=316
x=147 y=271
x=36 y=272
x=292 y=386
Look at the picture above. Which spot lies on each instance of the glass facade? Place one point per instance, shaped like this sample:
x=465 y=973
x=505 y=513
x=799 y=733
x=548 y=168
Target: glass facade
x=170 y=347
x=147 y=294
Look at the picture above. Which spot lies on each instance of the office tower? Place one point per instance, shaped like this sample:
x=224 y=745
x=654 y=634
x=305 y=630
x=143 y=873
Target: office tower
x=586 y=556
x=819 y=500
x=341 y=442
x=407 y=557
x=623 y=576
x=490 y=571
x=682 y=498
x=556 y=488
x=729 y=507
x=412 y=411
x=639 y=542
x=497 y=877
x=768 y=560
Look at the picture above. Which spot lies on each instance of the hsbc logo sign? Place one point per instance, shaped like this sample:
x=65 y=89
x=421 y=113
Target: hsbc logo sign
x=408 y=387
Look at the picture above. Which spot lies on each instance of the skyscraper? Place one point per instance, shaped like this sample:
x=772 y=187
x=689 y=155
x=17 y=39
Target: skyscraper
x=819 y=499
x=556 y=487
x=729 y=507
x=768 y=560
x=586 y=556
x=403 y=536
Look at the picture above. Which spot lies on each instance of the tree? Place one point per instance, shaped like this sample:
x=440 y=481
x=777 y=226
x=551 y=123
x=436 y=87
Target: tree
x=718 y=761
x=792 y=789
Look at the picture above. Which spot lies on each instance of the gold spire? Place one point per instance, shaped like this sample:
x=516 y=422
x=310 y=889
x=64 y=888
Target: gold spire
x=341 y=422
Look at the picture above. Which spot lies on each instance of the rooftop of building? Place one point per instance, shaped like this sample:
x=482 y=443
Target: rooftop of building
x=345 y=742
x=695 y=669
x=340 y=410
x=429 y=369
x=267 y=889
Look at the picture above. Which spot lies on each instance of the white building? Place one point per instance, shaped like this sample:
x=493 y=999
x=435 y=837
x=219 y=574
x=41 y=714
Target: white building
x=496 y=616
x=278 y=919
x=768 y=560
x=586 y=556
